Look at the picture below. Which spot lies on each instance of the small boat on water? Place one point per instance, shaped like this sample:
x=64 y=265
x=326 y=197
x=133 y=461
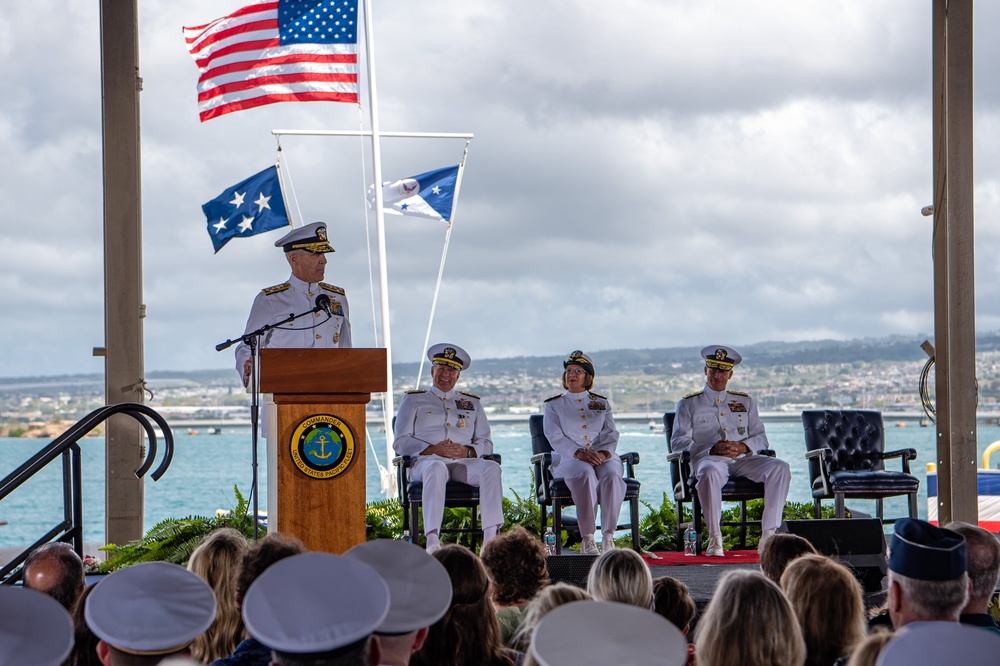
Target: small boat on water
x=215 y=431
x=988 y=487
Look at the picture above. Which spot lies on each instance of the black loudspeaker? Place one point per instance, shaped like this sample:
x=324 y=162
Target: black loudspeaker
x=858 y=543
x=572 y=569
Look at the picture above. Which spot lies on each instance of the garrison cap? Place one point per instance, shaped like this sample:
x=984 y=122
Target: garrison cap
x=580 y=359
x=926 y=552
x=940 y=643
x=311 y=237
x=419 y=585
x=314 y=603
x=34 y=628
x=719 y=357
x=450 y=355
x=628 y=635
x=151 y=608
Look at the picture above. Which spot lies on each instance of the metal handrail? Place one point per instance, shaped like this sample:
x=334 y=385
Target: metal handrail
x=67 y=447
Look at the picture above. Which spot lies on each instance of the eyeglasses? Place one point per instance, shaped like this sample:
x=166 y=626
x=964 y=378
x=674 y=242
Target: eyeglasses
x=576 y=371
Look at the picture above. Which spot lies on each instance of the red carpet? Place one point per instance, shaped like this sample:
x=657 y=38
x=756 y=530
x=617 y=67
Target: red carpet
x=672 y=558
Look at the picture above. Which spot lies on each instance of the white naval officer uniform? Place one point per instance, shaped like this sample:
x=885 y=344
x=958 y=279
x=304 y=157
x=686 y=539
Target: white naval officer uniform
x=426 y=418
x=707 y=417
x=574 y=421
x=293 y=297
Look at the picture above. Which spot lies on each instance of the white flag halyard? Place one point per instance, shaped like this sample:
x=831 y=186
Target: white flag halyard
x=431 y=195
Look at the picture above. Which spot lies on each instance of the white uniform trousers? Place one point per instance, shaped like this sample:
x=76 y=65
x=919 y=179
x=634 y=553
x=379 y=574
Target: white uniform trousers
x=435 y=471
x=591 y=486
x=713 y=472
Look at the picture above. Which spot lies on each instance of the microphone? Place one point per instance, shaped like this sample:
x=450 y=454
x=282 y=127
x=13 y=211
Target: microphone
x=323 y=303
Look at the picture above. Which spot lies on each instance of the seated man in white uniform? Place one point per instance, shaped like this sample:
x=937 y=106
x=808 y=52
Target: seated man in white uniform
x=448 y=430
x=579 y=426
x=305 y=249
x=723 y=432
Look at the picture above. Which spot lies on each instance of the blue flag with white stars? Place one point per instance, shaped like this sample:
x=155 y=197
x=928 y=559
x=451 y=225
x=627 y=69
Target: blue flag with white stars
x=430 y=194
x=248 y=208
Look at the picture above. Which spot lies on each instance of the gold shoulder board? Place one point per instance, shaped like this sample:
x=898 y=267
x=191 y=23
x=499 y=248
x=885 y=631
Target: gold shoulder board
x=742 y=393
x=691 y=395
x=555 y=397
x=596 y=395
x=330 y=287
x=278 y=288
x=471 y=395
x=416 y=391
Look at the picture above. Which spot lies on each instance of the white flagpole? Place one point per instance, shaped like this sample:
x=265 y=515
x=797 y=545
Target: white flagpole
x=388 y=487
x=444 y=255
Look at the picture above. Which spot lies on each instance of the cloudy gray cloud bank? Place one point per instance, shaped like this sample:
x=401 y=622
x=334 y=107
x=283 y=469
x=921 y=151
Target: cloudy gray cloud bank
x=644 y=174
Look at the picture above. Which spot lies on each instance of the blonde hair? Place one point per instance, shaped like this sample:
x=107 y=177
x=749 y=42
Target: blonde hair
x=829 y=605
x=550 y=597
x=867 y=651
x=749 y=622
x=216 y=560
x=621 y=575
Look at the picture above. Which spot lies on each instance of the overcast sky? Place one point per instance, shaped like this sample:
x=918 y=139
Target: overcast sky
x=645 y=173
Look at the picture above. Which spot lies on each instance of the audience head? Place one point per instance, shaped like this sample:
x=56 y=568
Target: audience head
x=34 y=628
x=550 y=597
x=216 y=561
x=469 y=632
x=515 y=561
x=55 y=569
x=673 y=601
x=419 y=594
x=829 y=605
x=317 y=608
x=262 y=554
x=749 y=622
x=84 y=641
x=982 y=552
x=621 y=575
x=152 y=610
x=867 y=651
x=927 y=577
x=621 y=633
x=779 y=550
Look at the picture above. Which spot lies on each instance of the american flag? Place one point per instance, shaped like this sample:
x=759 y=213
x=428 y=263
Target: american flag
x=277 y=51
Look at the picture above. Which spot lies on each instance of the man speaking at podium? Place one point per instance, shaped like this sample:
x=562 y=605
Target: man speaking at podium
x=446 y=430
x=305 y=249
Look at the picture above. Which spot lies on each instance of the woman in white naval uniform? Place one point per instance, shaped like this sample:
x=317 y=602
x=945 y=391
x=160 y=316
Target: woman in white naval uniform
x=581 y=430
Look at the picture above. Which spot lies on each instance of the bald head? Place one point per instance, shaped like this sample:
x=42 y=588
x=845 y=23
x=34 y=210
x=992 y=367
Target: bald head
x=56 y=570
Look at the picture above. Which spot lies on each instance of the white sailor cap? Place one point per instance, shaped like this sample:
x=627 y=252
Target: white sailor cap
x=150 y=608
x=940 y=643
x=419 y=585
x=451 y=355
x=626 y=635
x=34 y=628
x=315 y=603
x=311 y=237
x=720 y=357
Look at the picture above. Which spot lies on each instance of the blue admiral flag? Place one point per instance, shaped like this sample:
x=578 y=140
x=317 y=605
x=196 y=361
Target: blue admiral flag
x=430 y=194
x=248 y=208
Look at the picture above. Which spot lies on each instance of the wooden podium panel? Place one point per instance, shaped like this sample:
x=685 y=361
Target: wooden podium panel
x=327 y=390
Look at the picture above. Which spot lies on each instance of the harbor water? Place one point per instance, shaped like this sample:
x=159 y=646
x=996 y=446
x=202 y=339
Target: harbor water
x=206 y=467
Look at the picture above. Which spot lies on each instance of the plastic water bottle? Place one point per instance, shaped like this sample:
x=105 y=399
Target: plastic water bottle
x=550 y=541
x=690 y=541
x=406 y=536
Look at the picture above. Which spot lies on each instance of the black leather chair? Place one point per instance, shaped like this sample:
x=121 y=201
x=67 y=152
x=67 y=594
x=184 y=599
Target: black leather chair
x=846 y=453
x=456 y=494
x=553 y=492
x=737 y=489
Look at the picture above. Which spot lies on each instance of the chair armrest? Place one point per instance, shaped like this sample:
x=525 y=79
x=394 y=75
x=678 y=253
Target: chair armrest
x=630 y=460
x=821 y=456
x=542 y=459
x=767 y=452
x=402 y=464
x=819 y=453
x=541 y=476
x=495 y=457
x=905 y=456
x=683 y=461
x=679 y=456
x=405 y=461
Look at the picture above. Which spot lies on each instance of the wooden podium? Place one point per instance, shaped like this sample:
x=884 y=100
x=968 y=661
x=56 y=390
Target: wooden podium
x=320 y=396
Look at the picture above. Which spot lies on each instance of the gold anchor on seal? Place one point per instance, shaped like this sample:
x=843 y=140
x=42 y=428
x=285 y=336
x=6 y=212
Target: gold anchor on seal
x=322 y=455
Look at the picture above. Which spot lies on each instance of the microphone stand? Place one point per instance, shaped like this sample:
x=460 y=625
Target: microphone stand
x=252 y=340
